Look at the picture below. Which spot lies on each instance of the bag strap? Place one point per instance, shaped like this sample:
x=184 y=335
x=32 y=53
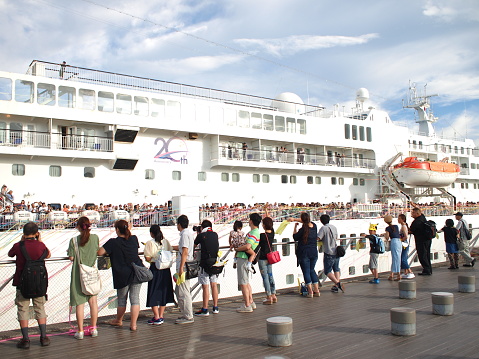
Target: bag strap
x=267 y=240
x=27 y=256
x=77 y=250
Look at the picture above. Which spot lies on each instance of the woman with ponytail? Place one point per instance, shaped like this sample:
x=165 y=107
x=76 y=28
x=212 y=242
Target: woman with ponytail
x=160 y=288
x=123 y=250
x=307 y=252
x=88 y=245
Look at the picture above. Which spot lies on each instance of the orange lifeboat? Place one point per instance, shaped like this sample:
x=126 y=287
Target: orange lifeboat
x=417 y=173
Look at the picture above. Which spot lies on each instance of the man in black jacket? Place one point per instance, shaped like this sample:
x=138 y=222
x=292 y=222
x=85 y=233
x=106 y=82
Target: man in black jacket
x=422 y=239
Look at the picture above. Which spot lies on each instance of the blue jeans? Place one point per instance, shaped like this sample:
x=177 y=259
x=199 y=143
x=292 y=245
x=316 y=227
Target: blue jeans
x=266 y=271
x=404 y=255
x=307 y=265
x=396 y=249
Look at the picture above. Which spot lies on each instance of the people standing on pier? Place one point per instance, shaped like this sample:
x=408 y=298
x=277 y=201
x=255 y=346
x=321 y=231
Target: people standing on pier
x=185 y=250
x=160 y=288
x=307 y=252
x=209 y=247
x=374 y=252
x=252 y=241
x=33 y=246
x=265 y=268
x=451 y=238
x=463 y=240
x=87 y=246
x=393 y=236
x=328 y=235
x=404 y=235
x=423 y=240
x=123 y=250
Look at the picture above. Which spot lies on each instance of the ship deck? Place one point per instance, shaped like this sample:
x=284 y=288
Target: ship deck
x=355 y=324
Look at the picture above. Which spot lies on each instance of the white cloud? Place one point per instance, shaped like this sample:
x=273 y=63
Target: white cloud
x=448 y=11
x=293 y=44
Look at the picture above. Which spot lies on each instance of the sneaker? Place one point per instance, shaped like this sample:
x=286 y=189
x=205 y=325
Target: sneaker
x=334 y=289
x=183 y=320
x=94 y=332
x=340 y=286
x=151 y=321
x=410 y=276
x=44 y=341
x=317 y=294
x=251 y=269
x=158 y=321
x=23 y=343
x=203 y=312
x=253 y=305
x=216 y=310
x=79 y=335
x=374 y=281
x=404 y=276
x=245 y=309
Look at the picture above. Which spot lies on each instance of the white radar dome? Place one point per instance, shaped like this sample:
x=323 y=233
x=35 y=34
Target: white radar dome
x=362 y=94
x=289 y=102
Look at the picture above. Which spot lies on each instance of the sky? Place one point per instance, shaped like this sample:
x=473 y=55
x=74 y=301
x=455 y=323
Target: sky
x=321 y=50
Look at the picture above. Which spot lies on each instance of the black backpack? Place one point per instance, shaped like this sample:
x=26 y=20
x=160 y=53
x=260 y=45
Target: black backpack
x=34 y=278
x=430 y=229
x=467 y=232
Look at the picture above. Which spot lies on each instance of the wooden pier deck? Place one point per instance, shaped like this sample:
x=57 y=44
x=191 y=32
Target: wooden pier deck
x=355 y=324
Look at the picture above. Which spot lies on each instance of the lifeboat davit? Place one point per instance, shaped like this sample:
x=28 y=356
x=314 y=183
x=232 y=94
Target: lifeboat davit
x=414 y=172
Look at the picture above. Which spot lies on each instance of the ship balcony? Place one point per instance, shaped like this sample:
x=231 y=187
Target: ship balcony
x=273 y=159
x=12 y=141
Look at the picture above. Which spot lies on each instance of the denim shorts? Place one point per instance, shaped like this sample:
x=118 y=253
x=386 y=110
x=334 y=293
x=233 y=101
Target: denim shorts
x=331 y=263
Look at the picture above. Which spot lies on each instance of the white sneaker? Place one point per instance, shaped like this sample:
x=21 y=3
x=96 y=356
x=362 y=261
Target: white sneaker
x=253 y=305
x=245 y=309
x=94 y=332
x=410 y=276
x=79 y=335
x=404 y=276
x=184 y=320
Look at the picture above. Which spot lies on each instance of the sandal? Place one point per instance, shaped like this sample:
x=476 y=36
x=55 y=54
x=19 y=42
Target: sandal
x=115 y=323
x=275 y=300
x=268 y=302
x=390 y=277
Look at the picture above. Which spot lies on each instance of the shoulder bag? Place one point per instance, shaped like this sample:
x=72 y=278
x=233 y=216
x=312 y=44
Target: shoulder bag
x=272 y=256
x=90 y=279
x=340 y=250
x=142 y=274
x=192 y=269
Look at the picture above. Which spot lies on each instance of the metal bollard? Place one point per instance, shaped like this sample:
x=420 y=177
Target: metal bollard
x=403 y=321
x=280 y=331
x=407 y=289
x=442 y=303
x=467 y=283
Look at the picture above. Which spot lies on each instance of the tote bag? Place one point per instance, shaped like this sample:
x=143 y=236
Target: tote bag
x=90 y=279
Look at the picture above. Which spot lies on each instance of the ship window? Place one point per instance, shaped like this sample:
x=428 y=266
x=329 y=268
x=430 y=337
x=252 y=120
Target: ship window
x=141 y=106
x=284 y=179
x=16 y=130
x=149 y=174
x=475 y=185
x=317 y=180
x=105 y=101
x=347 y=131
x=462 y=150
x=24 y=91
x=5 y=89
x=361 y=133
x=243 y=119
x=235 y=177
x=202 y=176
x=355 y=181
x=265 y=178
x=66 y=96
x=333 y=180
x=55 y=171
x=255 y=178
x=268 y=123
x=456 y=149
x=290 y=125
x=225 y=177
x=176 y=175
x=157 y=108
x=420 y=145
x=173 y=109
x=89 y=172
x=355 y=132
x=230 y=117
x=46 y=94
x=86 y=99
x=301 y=127
x=256 y=120
x=473 y=165
x=292 y=179
x=369 y=134
x=279 y=123
x=3 y=132
x=309 y=180
x=462 y=185
x=467 y=185
x=453 y=185
x=18 y=170
x=123 y=104
x=362 y=182
x=341 y=181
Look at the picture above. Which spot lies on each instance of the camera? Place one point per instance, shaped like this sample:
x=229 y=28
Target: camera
x=197 y=229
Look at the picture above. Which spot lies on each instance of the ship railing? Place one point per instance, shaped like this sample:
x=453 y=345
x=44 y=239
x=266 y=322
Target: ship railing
x=270 y=155
x=25 y=138
x=84 y=143
x=80 y=74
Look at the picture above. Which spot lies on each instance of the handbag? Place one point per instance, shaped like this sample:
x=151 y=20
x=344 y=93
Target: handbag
x=272 y=256
x=340 y=251
x=90 y=279
x=142 y=273
x=192 y=269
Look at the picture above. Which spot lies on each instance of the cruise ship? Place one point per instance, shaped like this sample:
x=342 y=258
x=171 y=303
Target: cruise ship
x=71 y=135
